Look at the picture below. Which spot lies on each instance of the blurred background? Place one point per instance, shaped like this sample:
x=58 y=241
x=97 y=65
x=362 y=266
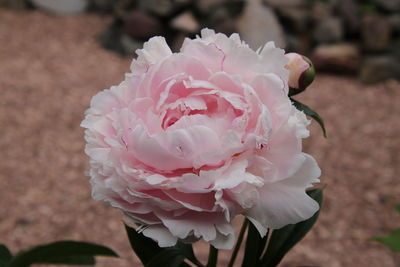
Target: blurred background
x=56 y=54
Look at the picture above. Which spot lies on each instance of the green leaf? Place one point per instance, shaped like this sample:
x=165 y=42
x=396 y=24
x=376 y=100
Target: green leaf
x=308 y=111
x=144 y=247
x=187 y=250
x=171 y=257
x=253 y=247
x=62 y=252
x=282 y=240
x=148 y=250
x=5 y=255
x=392 y=240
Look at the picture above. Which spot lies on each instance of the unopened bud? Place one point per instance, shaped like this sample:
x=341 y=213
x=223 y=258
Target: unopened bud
x=301 y=72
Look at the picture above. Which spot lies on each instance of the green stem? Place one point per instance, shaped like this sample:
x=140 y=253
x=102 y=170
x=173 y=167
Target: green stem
x=212 y=257
x=252 y=248
x=238 y=243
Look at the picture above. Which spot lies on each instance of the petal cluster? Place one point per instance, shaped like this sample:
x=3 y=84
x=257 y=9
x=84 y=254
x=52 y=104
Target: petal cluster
x=190 y=140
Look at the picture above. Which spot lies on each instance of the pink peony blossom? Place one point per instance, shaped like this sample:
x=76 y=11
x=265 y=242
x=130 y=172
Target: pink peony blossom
x=299 y=68
x=190 y=140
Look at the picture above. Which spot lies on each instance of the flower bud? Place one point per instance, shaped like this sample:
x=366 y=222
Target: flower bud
x=301 y=72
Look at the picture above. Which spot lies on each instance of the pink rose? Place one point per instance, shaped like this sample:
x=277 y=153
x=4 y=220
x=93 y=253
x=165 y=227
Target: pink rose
x=189 y=140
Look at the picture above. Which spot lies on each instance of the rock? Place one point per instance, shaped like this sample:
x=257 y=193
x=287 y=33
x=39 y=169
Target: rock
x=296 y=18
x=298 y=43
x=348 y=10
x=342 y=57
x=235 y=8
x=321 y=10
x=14 y=4
x=285 y=3
x=61 y=7
x=185 y=22
x=328 y=30
x=388 y=5
x=376 y=32
x=258 y=24
x=161 y=8
x=140 y=25
x=110 y=39
x=227 y=27
x=394 y=21
x=380 y=68
x=130 y=45
x=222 y=21
x=183 y=2
x=207 y=6
x=218 y=15
x=103 y=5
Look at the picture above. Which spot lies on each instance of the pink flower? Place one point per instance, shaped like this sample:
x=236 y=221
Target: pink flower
x=301 y=71
x=190 y=140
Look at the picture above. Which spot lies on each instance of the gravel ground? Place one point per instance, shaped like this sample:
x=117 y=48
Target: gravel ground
x=51 y=66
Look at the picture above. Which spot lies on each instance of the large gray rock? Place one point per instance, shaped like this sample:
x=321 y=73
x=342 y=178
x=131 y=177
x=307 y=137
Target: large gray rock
x=61 y=7
x=380 y=68
x=329 y=30
x=389 y=5
x=258 y=24
x=376 y=33
x=342 y=57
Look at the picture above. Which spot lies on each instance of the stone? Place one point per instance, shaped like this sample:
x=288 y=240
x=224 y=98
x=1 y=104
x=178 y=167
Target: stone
x=258 y=24
x=388 y=5
x=110 y=39
x=348 y=10
x=61 y=7
x=296 y=18
x=182 y=2
x=328 y=30
x=142 y=26
x=222 y=21
x=285 y=3
x=227 y=27
x=321 y=10
x=185 y=22
x=394 y=21
x=380 y=68
x=207 y=6
x=14 y=4
x=341 y=57
x=376 y=33
x=130 y=45
x=161 y=8
x=298 y=43
x=103 y=5
x=218 y=15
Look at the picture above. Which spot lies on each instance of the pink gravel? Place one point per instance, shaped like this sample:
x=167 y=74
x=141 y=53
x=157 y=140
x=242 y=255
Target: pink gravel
x=51 y=66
